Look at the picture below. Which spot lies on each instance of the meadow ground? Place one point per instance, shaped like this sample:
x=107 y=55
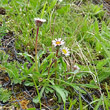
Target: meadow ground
x=54 y=55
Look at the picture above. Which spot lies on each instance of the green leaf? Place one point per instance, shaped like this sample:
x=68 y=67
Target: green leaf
x=98 y=46
x=108 y=93
x=80 y=102
x=64 y=9
x=36 y=98
x=98 y=104
x=89 y=86
x=42 y=13
x=101 y=63
x=30 y=70
x=63 y=64
x=62 y=92
x=96 y=26
x=53 y=3
x=72 y=103
x=74 y=85
x=27 y=56
x=4 y=95
x=104 y=74
x=31 y=109
x=107 y=102
x=48 y=89
x=28 y=83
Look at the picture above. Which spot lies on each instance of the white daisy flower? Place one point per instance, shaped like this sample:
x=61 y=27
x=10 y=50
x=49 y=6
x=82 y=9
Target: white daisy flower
x=76 y=67
x=58 y=42
x=60 y=0
x=65 y=51
x=39 y=21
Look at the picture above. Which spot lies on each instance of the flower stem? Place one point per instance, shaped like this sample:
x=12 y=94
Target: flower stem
x=39 y=97
x=57 y=52
x=51 y=66
x=56 y=63
x=36 y=50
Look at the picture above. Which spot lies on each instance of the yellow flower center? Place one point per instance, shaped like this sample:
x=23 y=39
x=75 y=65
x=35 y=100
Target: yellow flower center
x=64 y=51
x=58 y=42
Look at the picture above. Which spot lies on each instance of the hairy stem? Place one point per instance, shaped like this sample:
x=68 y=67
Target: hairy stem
x=56 y=63
x=39 y=97
x=36 y=50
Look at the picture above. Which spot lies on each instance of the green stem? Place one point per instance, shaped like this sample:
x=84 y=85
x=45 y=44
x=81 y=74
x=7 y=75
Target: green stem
x=51 y=66
x=56 y=67
x=64 y=106
x=36 y=63
x=56 y=64
x=37 y=92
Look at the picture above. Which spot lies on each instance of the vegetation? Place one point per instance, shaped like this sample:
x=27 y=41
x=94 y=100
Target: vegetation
x=76 y=78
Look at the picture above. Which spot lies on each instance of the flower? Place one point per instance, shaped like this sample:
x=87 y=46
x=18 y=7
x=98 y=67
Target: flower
x=39 y=21
x=60 y=0
x=65 y=51
x=76 y=67
x=58 y=42
x=40 y=79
